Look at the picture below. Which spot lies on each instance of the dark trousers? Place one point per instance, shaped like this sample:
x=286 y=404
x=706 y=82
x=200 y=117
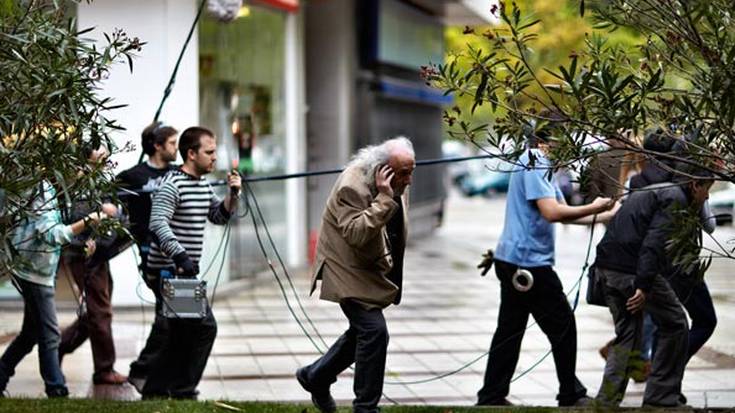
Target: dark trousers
x=548 y=305
x=95 y=324
x=39 y=327
x=365 y=343
x=698 y=303
x=663 y=386
x=178 y=367
x=157 y=337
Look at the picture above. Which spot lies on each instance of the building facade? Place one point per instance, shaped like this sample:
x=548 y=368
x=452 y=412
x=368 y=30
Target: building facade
x=287 y=86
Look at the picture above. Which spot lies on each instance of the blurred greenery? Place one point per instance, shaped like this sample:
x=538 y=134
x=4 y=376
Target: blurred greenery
x=51 y=112
x=561 y=31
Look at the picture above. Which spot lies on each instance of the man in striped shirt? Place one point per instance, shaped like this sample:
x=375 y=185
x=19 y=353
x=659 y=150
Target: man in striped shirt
x=180 y=209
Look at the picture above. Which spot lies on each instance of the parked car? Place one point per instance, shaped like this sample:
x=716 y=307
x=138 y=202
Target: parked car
x=722 y=203
x=486 y=177
x=457 y=171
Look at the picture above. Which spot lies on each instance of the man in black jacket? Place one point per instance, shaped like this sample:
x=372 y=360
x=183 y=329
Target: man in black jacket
x=632 y=262
x=159 y=142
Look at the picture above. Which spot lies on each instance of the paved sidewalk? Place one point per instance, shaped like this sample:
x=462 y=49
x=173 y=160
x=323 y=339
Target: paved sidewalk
x=446 y=320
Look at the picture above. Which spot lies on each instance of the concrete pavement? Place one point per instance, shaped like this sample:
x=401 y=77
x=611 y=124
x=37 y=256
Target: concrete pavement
x=445 y=321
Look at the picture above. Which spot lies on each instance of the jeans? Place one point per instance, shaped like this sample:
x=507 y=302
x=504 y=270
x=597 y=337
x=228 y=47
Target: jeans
x=548 y=304
x=663 y=386
x=39 y=327
x=365 y=343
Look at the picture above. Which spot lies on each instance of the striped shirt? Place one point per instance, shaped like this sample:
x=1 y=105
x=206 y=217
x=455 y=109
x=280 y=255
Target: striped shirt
x=179 y=212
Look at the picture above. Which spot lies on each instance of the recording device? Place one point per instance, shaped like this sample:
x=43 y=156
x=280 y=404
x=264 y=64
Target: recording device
x=522 y=280
x=183 y=297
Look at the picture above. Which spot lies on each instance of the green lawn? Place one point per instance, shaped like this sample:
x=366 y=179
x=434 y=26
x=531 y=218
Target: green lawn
x=98 y=406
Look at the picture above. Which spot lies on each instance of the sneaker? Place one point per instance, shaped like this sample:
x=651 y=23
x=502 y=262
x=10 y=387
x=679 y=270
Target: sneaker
x=109 y=377
x=322 y=399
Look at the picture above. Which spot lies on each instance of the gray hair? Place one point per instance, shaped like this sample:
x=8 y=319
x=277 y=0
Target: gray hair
x=372 y=156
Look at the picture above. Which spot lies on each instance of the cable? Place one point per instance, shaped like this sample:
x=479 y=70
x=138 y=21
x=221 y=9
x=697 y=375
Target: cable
x=575 y=289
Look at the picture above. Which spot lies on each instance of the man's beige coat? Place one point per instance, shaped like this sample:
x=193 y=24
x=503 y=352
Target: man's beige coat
x=353 y=256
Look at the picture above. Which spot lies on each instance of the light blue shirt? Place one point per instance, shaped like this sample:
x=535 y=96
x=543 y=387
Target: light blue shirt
x=528 y=239
x=38 y=239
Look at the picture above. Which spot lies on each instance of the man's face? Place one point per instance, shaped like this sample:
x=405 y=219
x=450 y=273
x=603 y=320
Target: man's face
x=700 y=191
x=168 y=149
x=403 y=165
x=205 y=158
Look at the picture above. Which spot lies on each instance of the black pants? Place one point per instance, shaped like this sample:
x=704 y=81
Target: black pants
x=698 y=303
x=177 y=369
x=365 y=343
x=549 y=306
x=157 y=337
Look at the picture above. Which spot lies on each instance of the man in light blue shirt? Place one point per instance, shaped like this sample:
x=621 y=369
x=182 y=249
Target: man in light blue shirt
x=534 y=204
x=38 y=241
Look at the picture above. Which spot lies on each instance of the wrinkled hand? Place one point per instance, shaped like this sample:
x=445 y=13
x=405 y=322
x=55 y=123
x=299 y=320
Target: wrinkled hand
x=602 y=204
x=636 y=302
x=89 y=247
x=185 y=267
x=383 y=178
x=487 y=262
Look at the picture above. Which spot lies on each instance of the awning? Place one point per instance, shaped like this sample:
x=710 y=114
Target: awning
x=459 y=12
x=291 y=6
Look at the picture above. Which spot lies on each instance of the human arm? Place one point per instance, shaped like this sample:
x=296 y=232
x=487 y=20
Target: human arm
x=361 y=219
x=601 y=218
x=163 y=206
x=554 y=211
x=709 y=222
x=652 y=255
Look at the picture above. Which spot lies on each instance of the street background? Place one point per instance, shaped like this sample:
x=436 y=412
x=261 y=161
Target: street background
x=446 y=320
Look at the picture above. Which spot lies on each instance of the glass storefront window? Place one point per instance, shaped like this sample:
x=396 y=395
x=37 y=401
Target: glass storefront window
x=241 y=75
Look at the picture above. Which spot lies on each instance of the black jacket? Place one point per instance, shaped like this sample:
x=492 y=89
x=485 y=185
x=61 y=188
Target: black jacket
x=635 y=239
x=651 y=174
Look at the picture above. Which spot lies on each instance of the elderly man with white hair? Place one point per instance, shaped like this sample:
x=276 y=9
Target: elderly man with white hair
x=360 y=262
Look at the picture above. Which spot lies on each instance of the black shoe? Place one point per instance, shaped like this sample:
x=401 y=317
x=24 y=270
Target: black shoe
x=501 y=402
x=137 y=382
x=192 y=395
x=57 y=393
x=581 y=402
x=678 y=405
x=682 y=398
x=322 y=399
x=153 y=396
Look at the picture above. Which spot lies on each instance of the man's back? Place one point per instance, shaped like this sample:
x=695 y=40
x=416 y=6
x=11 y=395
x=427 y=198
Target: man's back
x=146 y=179
x=635 y=237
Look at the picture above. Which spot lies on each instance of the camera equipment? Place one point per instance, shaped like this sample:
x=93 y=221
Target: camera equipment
x=522 y=280
x=183 y=297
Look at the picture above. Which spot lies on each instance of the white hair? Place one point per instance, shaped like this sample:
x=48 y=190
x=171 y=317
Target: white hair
x=372 y=156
